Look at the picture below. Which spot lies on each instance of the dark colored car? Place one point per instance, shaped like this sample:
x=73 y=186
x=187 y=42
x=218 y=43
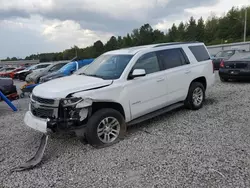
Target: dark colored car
x=225 y=55
x=235 y=70
x=36 y=75
x=7 y=86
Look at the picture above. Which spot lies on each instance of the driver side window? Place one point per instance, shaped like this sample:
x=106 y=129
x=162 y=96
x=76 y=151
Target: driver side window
x=148 y=62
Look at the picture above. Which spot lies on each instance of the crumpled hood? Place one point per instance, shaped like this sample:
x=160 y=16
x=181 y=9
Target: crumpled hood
x=61 y=87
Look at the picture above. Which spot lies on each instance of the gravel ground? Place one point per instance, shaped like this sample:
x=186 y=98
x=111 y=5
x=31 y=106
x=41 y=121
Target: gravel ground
x=205 y=148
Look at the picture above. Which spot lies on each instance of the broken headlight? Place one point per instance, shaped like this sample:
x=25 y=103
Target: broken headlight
x=77 y=102
x=71 y=101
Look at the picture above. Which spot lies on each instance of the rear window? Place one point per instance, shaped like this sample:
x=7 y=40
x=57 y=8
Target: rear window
x=200 y=53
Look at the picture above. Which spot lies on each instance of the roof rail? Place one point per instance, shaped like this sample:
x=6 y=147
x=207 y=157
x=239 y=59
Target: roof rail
x=174 y=43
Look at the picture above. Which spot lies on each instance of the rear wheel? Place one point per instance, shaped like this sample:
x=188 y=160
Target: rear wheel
x=105 y=127
x=196 y=96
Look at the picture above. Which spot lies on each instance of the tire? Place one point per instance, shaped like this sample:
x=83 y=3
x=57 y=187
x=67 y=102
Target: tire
x=223 y=79
x=96 y=122
x=195 y=88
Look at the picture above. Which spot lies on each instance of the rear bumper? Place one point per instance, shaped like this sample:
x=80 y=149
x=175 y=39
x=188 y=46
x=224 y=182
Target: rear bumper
x=240 y=74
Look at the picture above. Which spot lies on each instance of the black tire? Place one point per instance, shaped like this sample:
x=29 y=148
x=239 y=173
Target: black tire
x=223 y=79
x=92 y=125
x=189 y=102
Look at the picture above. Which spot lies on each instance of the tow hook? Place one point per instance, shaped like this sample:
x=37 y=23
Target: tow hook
x=36 y=159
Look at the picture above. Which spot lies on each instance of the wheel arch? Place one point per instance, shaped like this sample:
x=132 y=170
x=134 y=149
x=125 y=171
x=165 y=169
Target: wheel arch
x=114 y=105
x=202 y=80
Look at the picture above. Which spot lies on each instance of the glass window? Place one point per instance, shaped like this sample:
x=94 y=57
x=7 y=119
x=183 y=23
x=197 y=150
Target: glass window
x=200 y=53
x=42 y=66
x=149 y=62
x=171 y=58
x=109 y=66
x=57 y=67
x=227 y=53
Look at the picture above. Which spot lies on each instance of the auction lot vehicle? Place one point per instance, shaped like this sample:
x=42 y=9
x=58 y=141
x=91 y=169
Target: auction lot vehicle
x=122 y=88
x=21 y=75
x=37 y=74
x=227 y=55
x=7 y=86
x=10 y=73
x=235 y=70
x=66 y=70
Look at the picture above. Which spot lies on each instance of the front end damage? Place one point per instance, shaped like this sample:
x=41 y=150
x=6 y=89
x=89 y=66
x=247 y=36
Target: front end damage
x=51 y=116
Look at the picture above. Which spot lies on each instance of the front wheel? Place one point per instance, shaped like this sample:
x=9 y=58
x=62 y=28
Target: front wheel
x=196 y=96
x=105 y=127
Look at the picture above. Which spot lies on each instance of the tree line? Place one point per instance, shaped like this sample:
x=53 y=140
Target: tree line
x=215 y=30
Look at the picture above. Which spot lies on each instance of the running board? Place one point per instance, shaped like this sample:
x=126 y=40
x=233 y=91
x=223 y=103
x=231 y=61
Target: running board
x=37 y=157
x=155 y=113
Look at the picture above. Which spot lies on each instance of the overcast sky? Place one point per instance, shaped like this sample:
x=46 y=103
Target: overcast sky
x=37 y=26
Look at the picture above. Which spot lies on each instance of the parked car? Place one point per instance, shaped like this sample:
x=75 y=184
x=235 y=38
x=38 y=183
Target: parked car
x=10 y=73
x=37 y=74
x=6 y=69
x=227 y=55
x=7 y=86
x=235 y=70
x=122 y=88
x=66 y=70
x=21 y=75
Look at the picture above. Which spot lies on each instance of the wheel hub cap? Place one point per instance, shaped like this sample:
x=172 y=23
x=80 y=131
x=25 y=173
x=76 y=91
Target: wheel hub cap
x=108 y=129
x=197 y=96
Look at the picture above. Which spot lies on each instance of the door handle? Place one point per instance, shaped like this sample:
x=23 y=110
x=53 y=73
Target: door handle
x=160 y=79
x=187 y=71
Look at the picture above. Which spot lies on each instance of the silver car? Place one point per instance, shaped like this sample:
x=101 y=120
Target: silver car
x=36 y=75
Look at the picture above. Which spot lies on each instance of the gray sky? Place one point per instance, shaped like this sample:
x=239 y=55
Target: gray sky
x=37 y=26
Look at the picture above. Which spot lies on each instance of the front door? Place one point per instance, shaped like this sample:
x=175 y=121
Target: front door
x=147 y=93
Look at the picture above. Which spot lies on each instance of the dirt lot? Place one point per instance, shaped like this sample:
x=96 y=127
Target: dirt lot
x=205 y=148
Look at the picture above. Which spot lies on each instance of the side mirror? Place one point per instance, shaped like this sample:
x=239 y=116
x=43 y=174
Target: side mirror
x=138 y=73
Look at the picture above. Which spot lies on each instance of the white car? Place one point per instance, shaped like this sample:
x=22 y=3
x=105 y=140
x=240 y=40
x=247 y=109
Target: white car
x=122 y=88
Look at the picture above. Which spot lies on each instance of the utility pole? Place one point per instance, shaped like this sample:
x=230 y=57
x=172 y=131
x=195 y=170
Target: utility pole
x=245 y=25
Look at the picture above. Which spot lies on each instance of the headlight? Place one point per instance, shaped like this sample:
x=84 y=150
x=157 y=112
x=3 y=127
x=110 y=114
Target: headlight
x=71 y=101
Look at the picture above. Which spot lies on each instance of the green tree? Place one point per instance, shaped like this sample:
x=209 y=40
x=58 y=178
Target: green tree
x=191 y=34
x=200 y=29
x=173 y=34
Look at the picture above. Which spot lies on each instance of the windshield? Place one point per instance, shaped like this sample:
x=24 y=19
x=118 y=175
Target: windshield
x=228 y=53
x=107 y=67
x=31 y=67
x=68 y=67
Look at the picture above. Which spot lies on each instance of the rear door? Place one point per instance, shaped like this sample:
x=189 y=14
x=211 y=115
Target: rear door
x=177 y=71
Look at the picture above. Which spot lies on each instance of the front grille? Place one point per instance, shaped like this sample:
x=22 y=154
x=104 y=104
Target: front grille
x=42 y=100
x=41 y=112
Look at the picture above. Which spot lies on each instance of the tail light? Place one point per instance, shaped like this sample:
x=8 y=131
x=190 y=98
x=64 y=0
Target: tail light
x=222 y=65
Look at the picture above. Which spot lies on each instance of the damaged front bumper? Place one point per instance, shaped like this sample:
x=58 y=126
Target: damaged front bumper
x=36 y=123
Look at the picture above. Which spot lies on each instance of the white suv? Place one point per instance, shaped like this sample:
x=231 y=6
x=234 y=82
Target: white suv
x=121 y=88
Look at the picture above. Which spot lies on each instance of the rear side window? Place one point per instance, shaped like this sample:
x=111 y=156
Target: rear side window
x=200 y=53
x=172 y=58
